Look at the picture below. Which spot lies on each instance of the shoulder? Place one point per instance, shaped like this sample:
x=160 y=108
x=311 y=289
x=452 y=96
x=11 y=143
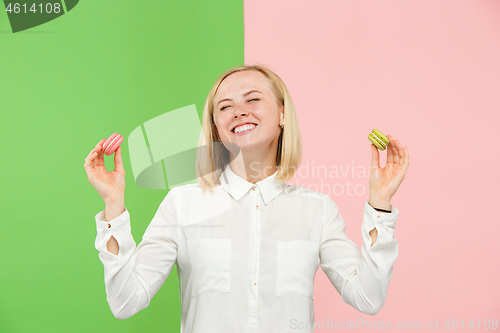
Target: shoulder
x=192 y=205
x=185 y=189
x=296 y=190
x=302 y=193
x=307 y=199
x=192 y=193
x=179 y=197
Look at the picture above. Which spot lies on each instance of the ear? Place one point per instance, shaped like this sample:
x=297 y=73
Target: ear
x=282 y=113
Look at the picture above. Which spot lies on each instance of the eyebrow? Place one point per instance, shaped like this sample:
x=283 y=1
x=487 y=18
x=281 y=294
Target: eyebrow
x=245 y=94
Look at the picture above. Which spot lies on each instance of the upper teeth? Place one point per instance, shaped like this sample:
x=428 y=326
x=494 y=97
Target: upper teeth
x=243 y=128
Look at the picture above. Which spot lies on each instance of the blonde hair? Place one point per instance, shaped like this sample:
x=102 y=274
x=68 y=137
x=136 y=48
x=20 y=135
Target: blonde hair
x=212 y=157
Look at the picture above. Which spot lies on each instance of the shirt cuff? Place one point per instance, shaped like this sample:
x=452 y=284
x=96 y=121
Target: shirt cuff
x=381 y=217
x=117 y=222
x=384 y=222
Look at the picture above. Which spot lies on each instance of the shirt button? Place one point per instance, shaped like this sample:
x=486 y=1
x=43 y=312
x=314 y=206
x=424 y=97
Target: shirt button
x=255 y=283
x=109 y=225
x=378 y=215
x=257 y=206
x=253 y=188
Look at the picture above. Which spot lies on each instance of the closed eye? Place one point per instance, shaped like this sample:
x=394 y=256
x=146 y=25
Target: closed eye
x=250 y=100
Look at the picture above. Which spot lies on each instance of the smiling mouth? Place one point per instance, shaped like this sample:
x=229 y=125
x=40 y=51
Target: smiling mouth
x=245 y=131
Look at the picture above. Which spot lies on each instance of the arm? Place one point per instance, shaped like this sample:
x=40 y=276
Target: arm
x=113 y=246
x=373 y=235
x=362 y=279
x=385 y=181
x=134 y=275
x=377 y=203
x=112 y=210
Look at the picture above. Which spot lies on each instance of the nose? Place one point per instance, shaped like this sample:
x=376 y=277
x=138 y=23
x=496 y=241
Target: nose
x=239 y=112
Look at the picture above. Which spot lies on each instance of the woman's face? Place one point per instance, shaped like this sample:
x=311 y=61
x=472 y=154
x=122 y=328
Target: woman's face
x=246 y=97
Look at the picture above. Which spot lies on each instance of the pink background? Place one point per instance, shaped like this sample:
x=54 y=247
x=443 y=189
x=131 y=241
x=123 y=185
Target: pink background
x=428 y=73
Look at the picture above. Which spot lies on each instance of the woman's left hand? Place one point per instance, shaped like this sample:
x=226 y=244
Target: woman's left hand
x=385 y=181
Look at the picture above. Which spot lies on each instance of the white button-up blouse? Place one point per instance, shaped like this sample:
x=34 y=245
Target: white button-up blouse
x=246 y=256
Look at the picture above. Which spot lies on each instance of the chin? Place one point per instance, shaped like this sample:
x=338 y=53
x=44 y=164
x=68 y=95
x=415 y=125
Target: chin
x=251 y=146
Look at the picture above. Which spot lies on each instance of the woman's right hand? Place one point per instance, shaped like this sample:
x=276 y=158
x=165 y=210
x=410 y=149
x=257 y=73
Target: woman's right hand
x=110 y=185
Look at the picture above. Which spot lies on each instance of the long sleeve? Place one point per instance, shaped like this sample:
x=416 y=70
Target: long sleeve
x=362 y=279
x=135 y=275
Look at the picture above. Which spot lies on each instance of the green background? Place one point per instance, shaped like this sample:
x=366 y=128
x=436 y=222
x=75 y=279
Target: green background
x=104 y=67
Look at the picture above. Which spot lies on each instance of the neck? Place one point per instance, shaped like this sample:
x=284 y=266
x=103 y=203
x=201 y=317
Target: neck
x=254 y=166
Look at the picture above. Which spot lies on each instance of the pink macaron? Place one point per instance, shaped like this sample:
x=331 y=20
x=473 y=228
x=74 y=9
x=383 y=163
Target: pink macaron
x=112 y=143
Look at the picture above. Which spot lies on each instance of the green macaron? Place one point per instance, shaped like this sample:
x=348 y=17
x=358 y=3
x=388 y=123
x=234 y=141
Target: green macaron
x=378 y=139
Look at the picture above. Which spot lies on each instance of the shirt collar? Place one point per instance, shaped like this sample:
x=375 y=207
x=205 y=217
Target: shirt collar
x=237 y=187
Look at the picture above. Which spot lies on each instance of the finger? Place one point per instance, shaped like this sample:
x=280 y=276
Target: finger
x=375 y=157
x=406 y=160
x=390 y=153
x=100 y=151
x=119 y=160
x=95 y=159
x=401 y=154
x=93 y=154
x=97 y=147
x=395 y=153
x=89 y=161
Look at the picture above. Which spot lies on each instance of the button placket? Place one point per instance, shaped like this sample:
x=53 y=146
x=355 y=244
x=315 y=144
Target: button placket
x=254 y=256
x=257 y=245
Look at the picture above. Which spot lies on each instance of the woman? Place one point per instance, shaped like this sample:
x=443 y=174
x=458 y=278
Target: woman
x=246 y=244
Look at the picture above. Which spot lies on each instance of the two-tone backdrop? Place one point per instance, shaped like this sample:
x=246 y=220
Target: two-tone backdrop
x=425 y=72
